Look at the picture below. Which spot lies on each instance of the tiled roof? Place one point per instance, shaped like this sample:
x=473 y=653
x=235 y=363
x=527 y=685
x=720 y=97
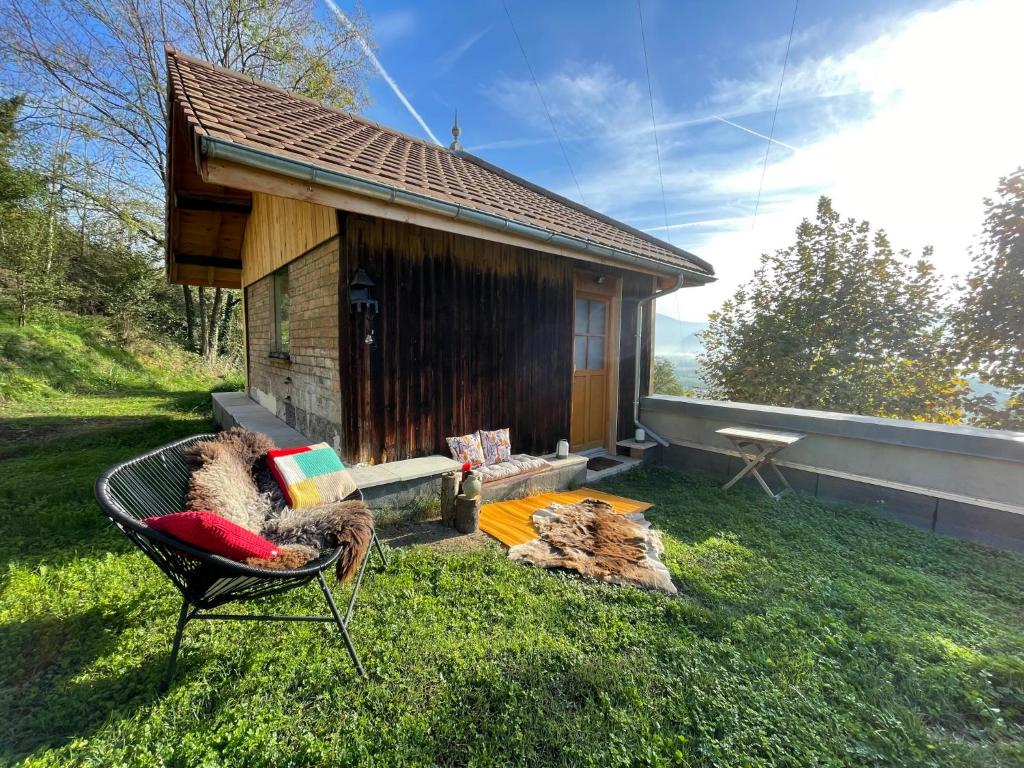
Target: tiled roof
x=230 y=106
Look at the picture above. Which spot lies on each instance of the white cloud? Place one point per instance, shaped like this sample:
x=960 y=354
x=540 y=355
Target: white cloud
x=942 y=126
x=910 y=127
x=392 y=26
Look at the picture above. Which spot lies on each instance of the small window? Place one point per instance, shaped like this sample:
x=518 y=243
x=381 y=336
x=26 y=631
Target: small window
x=590 y=330
x=281 y=305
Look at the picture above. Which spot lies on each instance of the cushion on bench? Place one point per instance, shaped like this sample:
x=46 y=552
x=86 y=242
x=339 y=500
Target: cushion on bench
x=519 y=464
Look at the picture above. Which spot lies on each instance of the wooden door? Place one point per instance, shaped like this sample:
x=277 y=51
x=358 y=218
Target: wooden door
x=591 y=371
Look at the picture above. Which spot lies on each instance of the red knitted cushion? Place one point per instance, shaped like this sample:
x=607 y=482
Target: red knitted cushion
x=215 y=534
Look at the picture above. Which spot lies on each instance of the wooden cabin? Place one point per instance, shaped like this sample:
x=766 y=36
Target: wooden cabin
x=397 y=292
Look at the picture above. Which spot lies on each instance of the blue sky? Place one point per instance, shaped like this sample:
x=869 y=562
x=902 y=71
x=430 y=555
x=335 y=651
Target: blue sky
x=905 y=112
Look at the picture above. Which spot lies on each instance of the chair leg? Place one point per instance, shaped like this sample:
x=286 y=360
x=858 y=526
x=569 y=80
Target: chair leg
x=380 y=551
x=356 y=586
x=176 y=646
x=341 y=625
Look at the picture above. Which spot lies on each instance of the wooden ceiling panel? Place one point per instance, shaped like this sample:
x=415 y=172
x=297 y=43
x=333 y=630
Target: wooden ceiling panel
x=206 y=222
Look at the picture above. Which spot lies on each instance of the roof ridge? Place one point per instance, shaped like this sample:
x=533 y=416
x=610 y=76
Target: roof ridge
x=584 y=209
x=170 y=51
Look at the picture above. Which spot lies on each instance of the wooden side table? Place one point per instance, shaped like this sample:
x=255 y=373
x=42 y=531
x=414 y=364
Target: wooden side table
x=757 y=448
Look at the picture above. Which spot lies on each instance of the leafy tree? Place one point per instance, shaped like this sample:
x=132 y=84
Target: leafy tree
x=837 y=321
x=990 y=319
x=55 y=254
x=665 y=381
x=30 y=275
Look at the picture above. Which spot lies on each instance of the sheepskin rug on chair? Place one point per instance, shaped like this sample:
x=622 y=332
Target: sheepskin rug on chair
x=589 y=537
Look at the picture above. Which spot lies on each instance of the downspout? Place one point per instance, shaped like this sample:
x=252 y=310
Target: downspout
x=639 y=340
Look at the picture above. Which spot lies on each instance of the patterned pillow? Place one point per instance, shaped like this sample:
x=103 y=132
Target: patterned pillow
x=496 y=444
x=310 y=475
x=467 y=448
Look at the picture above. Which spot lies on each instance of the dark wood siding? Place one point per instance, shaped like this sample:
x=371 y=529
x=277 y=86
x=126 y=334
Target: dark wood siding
x=471 y=334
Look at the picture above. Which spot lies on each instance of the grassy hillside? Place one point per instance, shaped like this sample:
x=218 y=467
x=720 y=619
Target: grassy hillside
x=74 y=355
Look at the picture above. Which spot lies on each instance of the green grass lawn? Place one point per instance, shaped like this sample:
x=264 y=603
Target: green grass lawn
x=805 y=634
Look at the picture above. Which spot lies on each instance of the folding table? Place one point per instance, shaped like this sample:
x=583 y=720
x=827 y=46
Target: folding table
x=757 y=448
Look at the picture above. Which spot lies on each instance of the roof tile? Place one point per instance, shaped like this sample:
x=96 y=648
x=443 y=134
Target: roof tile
x=222 y=103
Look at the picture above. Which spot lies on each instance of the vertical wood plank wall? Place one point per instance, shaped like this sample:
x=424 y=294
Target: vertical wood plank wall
x=278 y=230
x=471 y=334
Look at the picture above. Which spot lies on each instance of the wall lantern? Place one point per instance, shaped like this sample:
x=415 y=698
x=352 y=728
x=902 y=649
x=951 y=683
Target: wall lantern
x=359 y=297
x=359 y=292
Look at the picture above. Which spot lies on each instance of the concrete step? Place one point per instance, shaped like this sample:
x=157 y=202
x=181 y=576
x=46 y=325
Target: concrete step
x=238 y=409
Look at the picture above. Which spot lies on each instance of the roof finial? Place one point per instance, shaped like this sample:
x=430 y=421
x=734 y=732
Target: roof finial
x=456 y=145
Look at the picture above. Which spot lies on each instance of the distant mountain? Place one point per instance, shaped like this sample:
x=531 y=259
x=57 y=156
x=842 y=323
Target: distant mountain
x=679 y=342
x=676 y=337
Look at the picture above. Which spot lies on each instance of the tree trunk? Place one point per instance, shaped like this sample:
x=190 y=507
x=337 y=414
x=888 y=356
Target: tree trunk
x=449 y=490
x=467 y=514
x=190 y=318
x=230 y=303
x=204 y=332
x=214 y=324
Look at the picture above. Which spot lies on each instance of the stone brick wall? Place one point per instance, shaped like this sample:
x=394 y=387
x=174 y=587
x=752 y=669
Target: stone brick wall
x=304 y=391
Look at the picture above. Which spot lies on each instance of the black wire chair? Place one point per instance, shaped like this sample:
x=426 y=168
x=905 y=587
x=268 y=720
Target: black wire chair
x=155 y=484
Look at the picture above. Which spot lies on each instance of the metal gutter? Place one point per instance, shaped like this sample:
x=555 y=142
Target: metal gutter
x=219 y=149
x=647 y=300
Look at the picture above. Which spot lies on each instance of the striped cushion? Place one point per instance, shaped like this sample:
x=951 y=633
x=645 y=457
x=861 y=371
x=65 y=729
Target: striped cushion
x=520 y=464
x=310 y=475
x=215 y=534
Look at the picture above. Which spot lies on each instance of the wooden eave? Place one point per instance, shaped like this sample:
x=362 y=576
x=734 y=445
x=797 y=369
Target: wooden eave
x=205 y=221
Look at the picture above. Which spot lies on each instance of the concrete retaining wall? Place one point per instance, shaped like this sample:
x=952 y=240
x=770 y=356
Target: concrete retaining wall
x=962 y=481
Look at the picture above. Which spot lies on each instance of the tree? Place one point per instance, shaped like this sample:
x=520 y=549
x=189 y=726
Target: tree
x=838 y=321
x=97 y=68
x=989 y=321
x=29 y=273
x=665 y=381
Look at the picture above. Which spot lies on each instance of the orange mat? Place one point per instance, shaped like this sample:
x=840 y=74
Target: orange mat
x=510 y=522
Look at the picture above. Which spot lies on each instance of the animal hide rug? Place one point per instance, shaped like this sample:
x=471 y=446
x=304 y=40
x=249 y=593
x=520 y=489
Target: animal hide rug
x=230 y=478
x=589 y=537
x=346 y=524
x=221 y=480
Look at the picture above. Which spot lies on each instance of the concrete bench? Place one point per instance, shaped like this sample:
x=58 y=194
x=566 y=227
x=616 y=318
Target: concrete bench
x=398 y=484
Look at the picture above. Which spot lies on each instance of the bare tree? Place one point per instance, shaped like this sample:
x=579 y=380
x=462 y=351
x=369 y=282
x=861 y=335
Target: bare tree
x=95 y=68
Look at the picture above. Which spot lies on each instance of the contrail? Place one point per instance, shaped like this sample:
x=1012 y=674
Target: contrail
x=380 y=69
x=752 y=133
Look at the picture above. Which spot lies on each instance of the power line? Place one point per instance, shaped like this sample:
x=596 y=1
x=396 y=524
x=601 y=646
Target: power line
x=654 y=124
x=775 y=114
x=543 y=102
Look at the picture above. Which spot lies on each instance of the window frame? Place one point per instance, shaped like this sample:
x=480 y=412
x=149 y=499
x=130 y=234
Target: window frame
x=588 y=335
x=280 y=343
